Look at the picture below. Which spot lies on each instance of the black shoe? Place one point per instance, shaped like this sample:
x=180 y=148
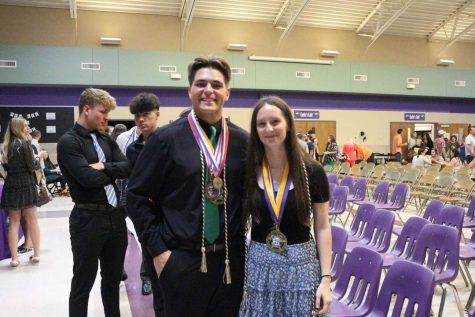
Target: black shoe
x=146 y=287
x=124 y=275
x=22 y=249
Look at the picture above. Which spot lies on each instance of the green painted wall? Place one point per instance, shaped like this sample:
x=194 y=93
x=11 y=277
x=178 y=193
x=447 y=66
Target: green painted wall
x=44 y=65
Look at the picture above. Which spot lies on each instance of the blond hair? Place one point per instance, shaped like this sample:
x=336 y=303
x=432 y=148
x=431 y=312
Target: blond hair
x=15 y=130
x=93 y=96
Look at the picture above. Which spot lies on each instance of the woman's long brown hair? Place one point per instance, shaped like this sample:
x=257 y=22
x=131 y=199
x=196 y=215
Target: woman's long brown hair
x=295 y=155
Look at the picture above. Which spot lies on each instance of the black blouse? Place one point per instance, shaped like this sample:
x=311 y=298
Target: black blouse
x=290 y=225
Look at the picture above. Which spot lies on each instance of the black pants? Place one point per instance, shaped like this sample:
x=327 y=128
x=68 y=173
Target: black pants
x=188 y=292
x=96 y=236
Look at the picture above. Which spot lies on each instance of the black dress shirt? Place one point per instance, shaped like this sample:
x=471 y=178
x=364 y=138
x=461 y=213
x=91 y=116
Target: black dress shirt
x=76 y=151
x=164 y=191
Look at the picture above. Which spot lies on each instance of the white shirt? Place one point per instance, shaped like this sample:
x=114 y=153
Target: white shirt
x=126 y=138
x=469 y=144
x=37 y=146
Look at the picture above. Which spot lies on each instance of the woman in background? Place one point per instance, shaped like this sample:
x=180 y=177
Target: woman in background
x=331 y=150
x=287 y=273
x=20 y=193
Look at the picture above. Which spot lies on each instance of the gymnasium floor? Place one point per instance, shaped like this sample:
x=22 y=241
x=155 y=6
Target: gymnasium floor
x=43 y=290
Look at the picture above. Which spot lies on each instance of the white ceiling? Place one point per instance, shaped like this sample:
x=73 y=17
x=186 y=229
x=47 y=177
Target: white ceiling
x=450 y=20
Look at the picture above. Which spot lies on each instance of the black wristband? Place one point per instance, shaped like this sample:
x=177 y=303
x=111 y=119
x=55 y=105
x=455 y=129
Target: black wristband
x=325 y=275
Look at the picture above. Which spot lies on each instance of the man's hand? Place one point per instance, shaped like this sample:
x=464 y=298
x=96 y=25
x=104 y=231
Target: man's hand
x=97 y=166
x=160 y=261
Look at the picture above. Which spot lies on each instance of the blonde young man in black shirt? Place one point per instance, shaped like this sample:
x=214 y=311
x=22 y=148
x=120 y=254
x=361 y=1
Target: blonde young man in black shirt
x=91 y=161
x=186 y=200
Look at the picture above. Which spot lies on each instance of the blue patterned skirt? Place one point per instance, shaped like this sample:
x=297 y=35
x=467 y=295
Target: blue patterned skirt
x=279 y=284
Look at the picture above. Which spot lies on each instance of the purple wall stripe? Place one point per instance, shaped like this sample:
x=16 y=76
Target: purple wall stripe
x=68 y=96
x=140 y=306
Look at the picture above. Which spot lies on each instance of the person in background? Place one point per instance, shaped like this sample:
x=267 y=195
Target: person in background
x=456 y=161
x=470 y=145
x=20 y=193
x=439 y=144
x=408 y=159
x=421 y=159
x=412 y=140
x=462 y=150
x=287 y=272
x=119 y=128
x=331 y=150
x=349 y=151
x=302 y=143
x=453 y=146
x=145 y=108
x=427 y=141
x=311 y=147
x=363 y=153
x=187 y=200
x=435 y=158
x=91 y=161
x=398 y=144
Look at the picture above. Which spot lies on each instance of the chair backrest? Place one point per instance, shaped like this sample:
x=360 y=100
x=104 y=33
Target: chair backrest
x=378 y=232
x=380 y=194
x=378 y=172
x=471 y=208
x=331 y=188
x=344 y=168
x=433 y=209
x=410 y=177
x=332 y=178
x=355 y=170
x=359 y=280
x=392 y=176
x=399 y=195
x=411 y=286
x=363 y=216
x=437 y=248
x=451 y=216
x=347 y=181
x=358 y=192
x=406 y=241
x=338 y=199
x=339 y=239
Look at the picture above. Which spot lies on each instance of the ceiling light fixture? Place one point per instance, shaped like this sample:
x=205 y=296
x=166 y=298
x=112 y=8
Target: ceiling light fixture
x=329 y=53
x=445 y=62
x=236 y=46
x=110 y=40
x=289 y=60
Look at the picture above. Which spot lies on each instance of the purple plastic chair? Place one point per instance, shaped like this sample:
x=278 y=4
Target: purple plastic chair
x=431 y=213
x=363 y=216
x=360 y=276
x=404 y=246
x=397 y=201
x=377 y=235
x=469 y=219
x=433 y=209
x=332 y=179
x=348 y=181
x=331 y=188
x=380 y=194
x=339 y=238
x=451 y=216
x=467 y=254
x=410 y=284
x=338 y=202
x=437 y=248
x=357 y=193
x=471 y=312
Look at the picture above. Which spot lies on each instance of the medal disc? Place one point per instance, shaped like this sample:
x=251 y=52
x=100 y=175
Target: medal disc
x=218 y=182
x=276 y=241
x=216 y=196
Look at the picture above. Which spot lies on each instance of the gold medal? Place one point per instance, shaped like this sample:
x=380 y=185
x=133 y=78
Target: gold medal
x=218 y=182
x=213 y=194
x=276 y=241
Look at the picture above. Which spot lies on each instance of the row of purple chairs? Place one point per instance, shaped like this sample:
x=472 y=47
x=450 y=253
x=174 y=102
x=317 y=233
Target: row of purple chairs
x=356 y=291
x=436 y=248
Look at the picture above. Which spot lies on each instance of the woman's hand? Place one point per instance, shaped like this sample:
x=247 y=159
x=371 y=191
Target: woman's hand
x=323 y=296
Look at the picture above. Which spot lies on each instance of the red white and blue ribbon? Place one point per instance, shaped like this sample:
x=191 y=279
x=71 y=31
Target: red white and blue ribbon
x=215 y=158
x=275 y=201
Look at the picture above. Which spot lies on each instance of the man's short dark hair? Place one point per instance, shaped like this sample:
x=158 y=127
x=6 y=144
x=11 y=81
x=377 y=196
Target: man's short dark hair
x=35 y=133
x=399 y=131
x=211 y=61
x=144 y=102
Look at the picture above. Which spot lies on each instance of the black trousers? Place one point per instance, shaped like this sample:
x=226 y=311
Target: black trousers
x=96 y=236
x=188 y=292
x=149 y=268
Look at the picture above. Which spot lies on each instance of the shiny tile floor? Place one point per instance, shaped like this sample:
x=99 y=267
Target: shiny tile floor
x=43 y=290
